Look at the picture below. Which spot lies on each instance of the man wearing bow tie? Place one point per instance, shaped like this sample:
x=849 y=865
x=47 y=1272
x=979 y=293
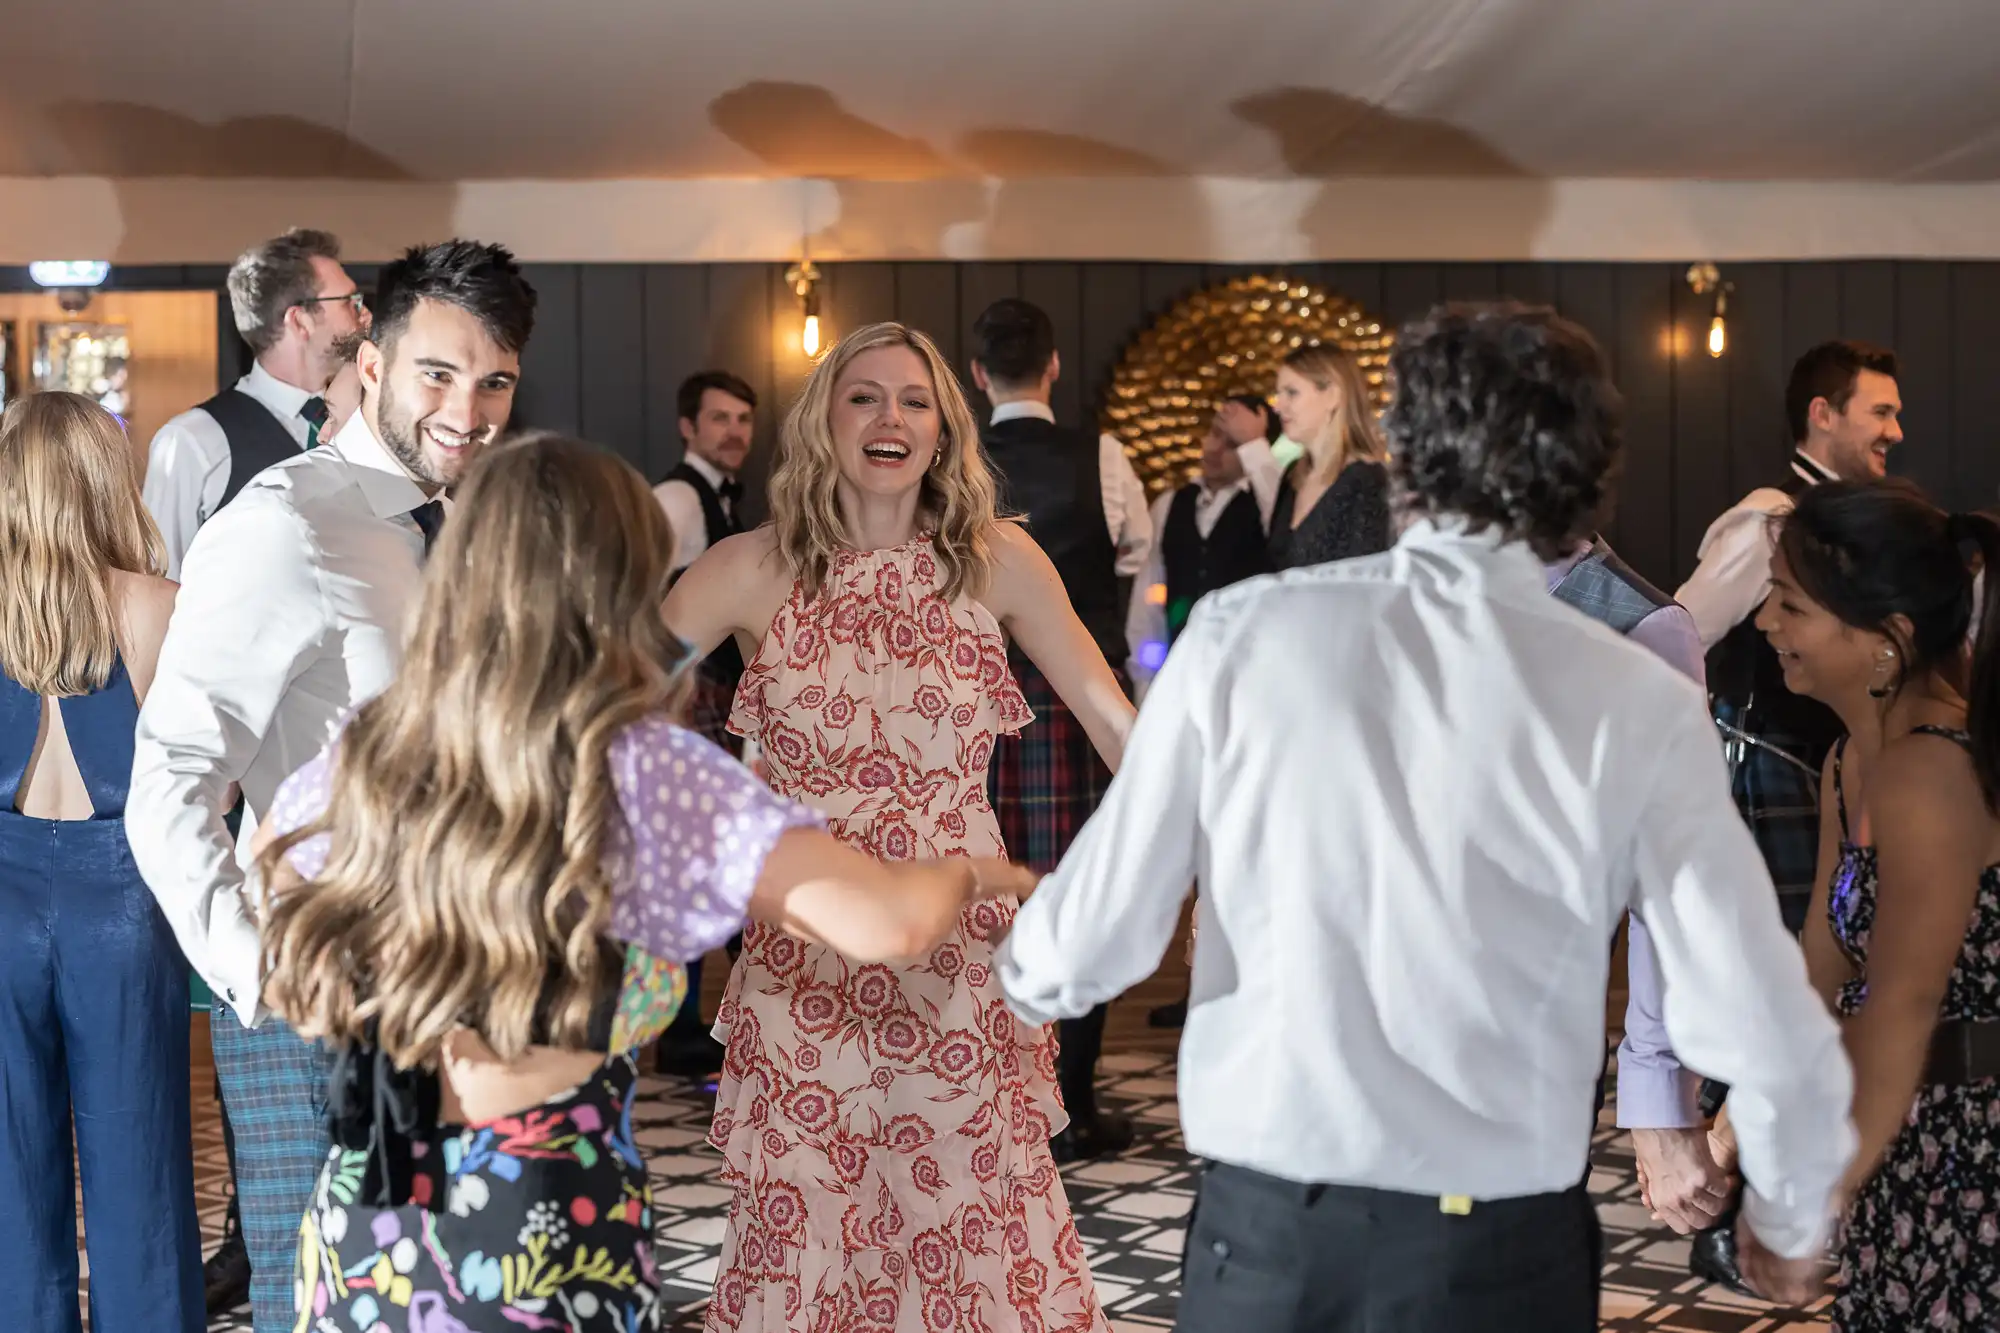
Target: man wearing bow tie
x=703 y=499
x=702 y=495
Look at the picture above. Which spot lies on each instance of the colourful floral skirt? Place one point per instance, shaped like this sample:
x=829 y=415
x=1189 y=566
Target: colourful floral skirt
x=545 y=1222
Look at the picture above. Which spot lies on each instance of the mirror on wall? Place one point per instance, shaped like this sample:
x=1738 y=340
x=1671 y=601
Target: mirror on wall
x=90 y=359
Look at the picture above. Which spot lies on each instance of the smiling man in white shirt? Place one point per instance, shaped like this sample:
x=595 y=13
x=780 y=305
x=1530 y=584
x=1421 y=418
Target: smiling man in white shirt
x=295 y=305
x=1418 y=793
x=292 y=611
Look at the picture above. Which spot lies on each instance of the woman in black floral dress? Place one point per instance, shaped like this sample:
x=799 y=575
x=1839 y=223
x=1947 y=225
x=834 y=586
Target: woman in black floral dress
x=1871 y=604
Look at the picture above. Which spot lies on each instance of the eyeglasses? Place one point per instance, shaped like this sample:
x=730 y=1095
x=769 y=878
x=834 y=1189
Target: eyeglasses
x=353 y=298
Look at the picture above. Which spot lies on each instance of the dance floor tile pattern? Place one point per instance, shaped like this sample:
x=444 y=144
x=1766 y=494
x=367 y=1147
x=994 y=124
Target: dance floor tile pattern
x=1129 y=1212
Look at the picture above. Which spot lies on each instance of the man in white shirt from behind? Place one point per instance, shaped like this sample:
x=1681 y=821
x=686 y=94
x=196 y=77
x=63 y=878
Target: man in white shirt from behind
x=292 y=610
x=294 y=304
x=1418 y=792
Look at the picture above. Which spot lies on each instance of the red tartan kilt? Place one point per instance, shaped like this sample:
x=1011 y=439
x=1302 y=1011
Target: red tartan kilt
x=1047 y=781
x=708 y=710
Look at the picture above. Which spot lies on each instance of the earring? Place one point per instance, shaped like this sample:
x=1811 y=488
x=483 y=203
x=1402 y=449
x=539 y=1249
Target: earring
x=1879 y=689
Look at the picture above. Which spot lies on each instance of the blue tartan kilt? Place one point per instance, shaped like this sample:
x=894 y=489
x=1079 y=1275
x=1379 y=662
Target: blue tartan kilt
x=1780 y=803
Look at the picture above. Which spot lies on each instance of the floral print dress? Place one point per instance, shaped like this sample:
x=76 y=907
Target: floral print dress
x=885 y=1130
x=542 y=1220
x=1922 y=1243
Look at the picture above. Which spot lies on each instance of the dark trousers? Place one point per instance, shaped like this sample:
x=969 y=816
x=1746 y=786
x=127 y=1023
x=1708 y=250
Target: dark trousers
x=1272 y=1255
x=1079 y=1043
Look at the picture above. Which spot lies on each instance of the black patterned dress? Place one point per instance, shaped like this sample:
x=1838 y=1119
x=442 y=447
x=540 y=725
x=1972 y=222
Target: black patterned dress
x=1922 y=1243
x=1350 y=518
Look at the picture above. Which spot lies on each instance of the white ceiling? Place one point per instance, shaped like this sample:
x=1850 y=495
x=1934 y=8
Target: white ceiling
x=453 y=90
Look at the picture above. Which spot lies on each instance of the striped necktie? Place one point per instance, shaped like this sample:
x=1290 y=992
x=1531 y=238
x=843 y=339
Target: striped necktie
x=314 y=412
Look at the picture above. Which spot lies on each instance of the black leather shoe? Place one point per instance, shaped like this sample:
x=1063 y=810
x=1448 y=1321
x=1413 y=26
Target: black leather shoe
x=1712 y=1257
x=1168 y=1015
x=225 y=1278
x=1105 y=1134
x=696 y=1057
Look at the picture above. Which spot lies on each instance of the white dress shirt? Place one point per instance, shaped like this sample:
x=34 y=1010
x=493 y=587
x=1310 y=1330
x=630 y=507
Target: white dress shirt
x=292 y=609
x=1125 y=514
x=1734 y=574
x=187 y=468
x=683 y=507
x=1418 y=792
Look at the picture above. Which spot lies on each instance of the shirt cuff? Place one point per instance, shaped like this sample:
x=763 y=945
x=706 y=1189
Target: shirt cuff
x=1656 y=1096
x=235 y=962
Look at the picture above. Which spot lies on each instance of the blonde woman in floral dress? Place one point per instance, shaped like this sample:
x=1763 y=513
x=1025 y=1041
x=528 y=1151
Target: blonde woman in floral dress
x=885 y=1129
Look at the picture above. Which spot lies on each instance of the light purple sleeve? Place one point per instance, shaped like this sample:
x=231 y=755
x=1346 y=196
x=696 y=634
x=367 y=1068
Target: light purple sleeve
x=300 y=800
x=1654 y=1091
x=701 y=825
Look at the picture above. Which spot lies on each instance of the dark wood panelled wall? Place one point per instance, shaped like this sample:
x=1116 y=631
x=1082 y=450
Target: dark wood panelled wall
x=613 y=341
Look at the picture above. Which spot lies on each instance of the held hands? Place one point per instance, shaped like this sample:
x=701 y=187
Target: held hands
x=994 y=877
x=1679 y=1178
x=1780 y=1281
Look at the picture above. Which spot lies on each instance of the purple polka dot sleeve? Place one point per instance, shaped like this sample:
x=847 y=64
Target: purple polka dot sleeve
x=701 y=825
x=301 y=799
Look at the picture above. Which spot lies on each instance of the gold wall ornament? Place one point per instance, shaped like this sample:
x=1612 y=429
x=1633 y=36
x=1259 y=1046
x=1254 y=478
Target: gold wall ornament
x=1225 y=339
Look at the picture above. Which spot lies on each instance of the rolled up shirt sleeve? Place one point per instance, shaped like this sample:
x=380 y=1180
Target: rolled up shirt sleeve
x=1734 y=573
x=1737 y=1005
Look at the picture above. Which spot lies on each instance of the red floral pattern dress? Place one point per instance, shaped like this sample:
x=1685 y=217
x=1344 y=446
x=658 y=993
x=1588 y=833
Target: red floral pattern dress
x=885 y=1130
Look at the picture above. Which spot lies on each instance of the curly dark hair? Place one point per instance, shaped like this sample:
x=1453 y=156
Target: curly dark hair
x=1504 y=415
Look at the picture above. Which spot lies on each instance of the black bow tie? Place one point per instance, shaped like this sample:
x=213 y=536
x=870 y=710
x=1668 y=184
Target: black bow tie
x=731 y=490
x=428 y=518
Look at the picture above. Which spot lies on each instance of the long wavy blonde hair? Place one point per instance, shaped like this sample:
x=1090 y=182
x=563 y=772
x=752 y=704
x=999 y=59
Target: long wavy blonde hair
x=70 y=514
x=958 y=499
x=1352 y=430
x=472 y=821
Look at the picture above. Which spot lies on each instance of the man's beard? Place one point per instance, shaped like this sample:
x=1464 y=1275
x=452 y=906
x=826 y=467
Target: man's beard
x=401 y=438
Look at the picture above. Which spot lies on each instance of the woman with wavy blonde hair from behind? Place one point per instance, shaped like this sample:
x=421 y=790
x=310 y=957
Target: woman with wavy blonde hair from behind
x=93 y=989
x=481 y=896
x=885 y=1129
x=1334 y=503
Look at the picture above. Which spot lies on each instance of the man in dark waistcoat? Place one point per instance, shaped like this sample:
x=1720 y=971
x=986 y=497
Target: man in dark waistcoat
x=1087 y=511
x=702 y=496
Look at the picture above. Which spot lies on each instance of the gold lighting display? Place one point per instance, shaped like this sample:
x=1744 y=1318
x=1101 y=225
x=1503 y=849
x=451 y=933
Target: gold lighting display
x=1225 y=339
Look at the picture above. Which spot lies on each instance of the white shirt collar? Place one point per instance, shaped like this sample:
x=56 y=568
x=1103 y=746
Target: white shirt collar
x=1023 y=407
x=1507 y=561
x=1212 y=495
x=388 y=485
x=710 y=473
x=283 y=399
x=1810 y=468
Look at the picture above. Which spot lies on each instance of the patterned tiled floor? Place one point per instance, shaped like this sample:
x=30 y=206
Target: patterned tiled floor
x=1129 y=1212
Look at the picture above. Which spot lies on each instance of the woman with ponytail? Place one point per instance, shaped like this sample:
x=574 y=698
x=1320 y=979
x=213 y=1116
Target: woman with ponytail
x=1872 y=602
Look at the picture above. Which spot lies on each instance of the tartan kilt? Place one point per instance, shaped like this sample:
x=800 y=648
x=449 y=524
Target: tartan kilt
x=708 y=708
x=1781 y=806
x=1046 y=780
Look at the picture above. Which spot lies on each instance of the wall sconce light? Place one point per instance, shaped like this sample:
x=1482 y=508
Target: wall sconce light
x=1703 y=279
x=804 y=280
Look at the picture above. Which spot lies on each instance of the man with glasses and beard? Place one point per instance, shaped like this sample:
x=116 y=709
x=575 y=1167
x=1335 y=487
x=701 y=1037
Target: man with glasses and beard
x=290 y=613
x=295 y=306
